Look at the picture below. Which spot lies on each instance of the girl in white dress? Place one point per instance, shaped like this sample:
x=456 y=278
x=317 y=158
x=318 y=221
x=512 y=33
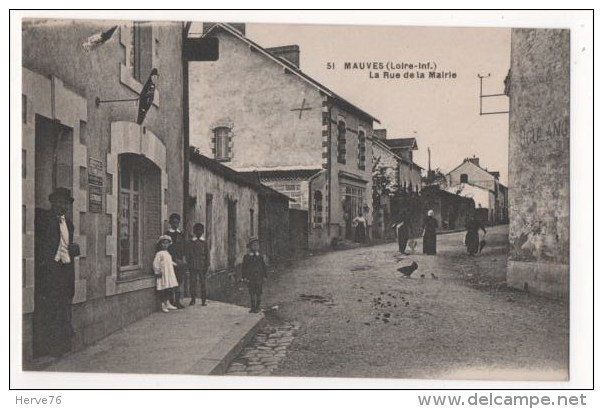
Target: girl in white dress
x=163 y=266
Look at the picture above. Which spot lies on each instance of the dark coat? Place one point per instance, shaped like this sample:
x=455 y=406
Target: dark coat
x=54 y=287
x=197 y=255
x=254 y=268
x=48 y=236
x=472 y=236
x=430 y=226
x=177 y=248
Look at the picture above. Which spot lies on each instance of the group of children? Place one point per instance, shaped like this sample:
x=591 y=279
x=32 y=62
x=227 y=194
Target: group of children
x=175 y=255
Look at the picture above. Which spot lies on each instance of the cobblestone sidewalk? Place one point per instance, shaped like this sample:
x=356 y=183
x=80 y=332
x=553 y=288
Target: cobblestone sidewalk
x=266 y=350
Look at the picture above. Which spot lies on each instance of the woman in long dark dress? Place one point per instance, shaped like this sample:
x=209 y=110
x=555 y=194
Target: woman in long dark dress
x=360 y=232
x=472 y=236
x=430 y=224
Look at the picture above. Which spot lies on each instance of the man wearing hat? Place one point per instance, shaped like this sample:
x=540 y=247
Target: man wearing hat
x=54 y=276
x=176 y=250
x=254 y=272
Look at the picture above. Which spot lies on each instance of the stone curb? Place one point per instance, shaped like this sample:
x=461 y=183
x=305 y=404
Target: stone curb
x=217 y=360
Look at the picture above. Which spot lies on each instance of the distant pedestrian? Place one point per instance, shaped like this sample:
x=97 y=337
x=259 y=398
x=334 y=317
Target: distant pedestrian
x=176 y=250
x=360 y=228
x=197 y=258
x=430 y=225
x=254 y=272
x=402 y=230
x=163 y=267
x=472 y=239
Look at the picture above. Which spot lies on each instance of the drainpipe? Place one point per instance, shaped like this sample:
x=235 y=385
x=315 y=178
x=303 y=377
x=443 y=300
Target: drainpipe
x=185 y=126
x=329 y=169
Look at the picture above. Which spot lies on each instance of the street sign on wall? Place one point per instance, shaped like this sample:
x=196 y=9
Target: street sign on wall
x=96 y=182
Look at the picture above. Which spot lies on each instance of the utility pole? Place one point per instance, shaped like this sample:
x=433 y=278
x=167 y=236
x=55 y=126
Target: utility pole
x=482 y=96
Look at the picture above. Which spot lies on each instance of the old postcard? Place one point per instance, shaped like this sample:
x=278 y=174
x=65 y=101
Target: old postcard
x=251 y=199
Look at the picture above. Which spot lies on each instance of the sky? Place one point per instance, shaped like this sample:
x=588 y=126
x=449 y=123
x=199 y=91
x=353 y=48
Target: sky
x=442 y=114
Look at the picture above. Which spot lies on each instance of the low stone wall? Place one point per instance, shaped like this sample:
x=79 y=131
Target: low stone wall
x=543 y=278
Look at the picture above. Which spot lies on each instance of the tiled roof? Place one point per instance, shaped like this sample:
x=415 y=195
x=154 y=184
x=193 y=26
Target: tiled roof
x=231 y=174
x=292 y=174
x=397 y=143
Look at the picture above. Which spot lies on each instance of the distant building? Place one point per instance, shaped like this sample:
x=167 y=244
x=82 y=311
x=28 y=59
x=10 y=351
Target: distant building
x=409 y=173
x=469 y=179
x=538 y=86
x=435 y=178
x=254 y=110
x=403 y=175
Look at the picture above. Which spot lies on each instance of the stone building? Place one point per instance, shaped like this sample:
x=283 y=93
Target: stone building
x=233 y=208
x=469 y=179
x=409 y=177
x=538 y=86
x=254 y=110
x=125 y=178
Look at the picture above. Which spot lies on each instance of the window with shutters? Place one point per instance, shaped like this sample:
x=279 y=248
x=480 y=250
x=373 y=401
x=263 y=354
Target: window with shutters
x=341 y=142
x=317 y=207
x=222 y=143
x=139 y=214
x=361 y=150
x=251 y=222
x=143 y=50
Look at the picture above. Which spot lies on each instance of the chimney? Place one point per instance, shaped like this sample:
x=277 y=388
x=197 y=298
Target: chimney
x=287 y=52
x=240 y=27
x=380 y=134
x=473 y=160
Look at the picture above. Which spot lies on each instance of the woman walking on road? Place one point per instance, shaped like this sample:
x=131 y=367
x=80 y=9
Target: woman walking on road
x=402 y=230
x=360 y=226
x=430 y=224
x=472 y=240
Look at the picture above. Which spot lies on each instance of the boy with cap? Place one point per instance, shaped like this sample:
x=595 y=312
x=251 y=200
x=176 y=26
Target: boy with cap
x=176 y=250
x=197 y=257
x=254 y=272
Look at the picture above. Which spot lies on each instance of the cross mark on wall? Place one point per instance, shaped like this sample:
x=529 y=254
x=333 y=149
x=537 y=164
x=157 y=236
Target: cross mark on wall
x=302 y=108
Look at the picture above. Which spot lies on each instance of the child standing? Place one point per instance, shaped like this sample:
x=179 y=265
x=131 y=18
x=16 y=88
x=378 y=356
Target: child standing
x=176 y=250
x=254 y=271
x=197 y=257
x=163 y=266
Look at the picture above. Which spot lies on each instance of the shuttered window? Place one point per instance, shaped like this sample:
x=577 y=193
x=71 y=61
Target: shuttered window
x=341 y=142
x=222 y=143
x=139 y=221
x=143 y=50
x=361 y=150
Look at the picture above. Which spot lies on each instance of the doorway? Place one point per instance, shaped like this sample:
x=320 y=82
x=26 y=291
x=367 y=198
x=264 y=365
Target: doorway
x=53 y=169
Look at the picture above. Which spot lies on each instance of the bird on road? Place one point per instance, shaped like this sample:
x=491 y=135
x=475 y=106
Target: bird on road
x=408 y=270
